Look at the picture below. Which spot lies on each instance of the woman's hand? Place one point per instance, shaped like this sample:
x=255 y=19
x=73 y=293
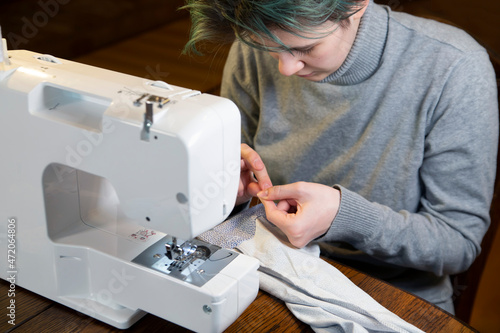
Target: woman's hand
x=305 y=211
x=253 y=176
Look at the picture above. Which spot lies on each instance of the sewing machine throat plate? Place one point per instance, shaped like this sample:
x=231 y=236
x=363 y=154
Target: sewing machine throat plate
x=198 y=263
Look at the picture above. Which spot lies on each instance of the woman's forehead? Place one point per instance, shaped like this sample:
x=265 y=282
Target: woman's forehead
x=295 y=40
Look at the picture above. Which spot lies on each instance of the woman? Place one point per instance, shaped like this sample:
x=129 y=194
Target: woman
x=379 y=131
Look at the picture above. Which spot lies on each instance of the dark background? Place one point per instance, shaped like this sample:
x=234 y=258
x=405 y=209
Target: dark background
x=145 y=38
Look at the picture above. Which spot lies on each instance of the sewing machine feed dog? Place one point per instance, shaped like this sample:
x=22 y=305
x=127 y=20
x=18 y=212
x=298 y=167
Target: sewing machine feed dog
x=110 y=177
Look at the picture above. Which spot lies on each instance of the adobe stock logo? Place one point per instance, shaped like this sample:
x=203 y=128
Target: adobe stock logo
x=31 y=26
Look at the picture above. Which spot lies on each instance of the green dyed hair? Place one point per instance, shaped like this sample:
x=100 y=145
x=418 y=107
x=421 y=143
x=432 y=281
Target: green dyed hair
x=220 y=21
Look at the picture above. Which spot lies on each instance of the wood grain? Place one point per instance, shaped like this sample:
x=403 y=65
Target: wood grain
x=265 y=314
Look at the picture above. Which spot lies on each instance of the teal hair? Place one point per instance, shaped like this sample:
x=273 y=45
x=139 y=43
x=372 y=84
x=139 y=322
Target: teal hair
x=221 y=21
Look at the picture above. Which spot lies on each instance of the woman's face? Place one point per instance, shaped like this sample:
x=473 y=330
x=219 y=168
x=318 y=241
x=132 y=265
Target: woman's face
x=315 y=58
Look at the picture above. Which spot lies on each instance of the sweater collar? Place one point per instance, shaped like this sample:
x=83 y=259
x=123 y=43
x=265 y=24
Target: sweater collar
x=366 y=53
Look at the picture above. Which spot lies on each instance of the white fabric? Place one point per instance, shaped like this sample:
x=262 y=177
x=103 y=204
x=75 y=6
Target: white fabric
x=315 y=292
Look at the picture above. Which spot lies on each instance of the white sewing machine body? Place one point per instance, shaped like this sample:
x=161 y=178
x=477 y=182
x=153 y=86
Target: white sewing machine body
x=98 y=167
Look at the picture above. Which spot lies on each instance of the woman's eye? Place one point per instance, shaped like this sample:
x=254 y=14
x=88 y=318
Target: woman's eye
x=304 y=52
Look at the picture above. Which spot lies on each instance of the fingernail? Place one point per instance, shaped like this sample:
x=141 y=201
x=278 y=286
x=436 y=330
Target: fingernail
x=266 y=186
x=262 y=194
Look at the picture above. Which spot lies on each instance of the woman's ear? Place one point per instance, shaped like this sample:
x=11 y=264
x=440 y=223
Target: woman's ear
x=360 y=12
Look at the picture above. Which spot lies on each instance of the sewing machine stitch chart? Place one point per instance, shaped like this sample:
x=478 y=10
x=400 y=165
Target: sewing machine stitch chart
x=109 y=180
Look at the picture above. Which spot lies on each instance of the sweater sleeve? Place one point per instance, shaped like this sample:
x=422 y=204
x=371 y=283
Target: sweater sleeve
x=457 y=177
x=242 y=88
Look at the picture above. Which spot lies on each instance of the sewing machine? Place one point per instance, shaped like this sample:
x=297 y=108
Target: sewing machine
x=105 y=181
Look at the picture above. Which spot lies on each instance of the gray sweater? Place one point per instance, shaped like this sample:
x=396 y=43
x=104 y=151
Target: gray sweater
x=406 y=128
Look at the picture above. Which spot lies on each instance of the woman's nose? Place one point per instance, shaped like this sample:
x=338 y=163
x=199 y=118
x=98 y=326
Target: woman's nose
x=288 y=64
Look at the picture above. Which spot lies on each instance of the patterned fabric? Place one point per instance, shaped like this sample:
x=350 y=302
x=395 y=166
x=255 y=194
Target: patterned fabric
x=234 y=231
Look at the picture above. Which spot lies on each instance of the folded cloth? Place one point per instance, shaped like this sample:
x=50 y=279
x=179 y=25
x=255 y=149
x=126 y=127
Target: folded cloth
x=315 y=292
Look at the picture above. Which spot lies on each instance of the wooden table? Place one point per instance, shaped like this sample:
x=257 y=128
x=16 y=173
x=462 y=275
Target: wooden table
x=266 y=314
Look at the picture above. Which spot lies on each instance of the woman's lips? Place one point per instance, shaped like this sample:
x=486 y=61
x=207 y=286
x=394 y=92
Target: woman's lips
x=305 y=75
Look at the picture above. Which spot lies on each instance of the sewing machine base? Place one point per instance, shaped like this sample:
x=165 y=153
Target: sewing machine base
x=119 y=292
